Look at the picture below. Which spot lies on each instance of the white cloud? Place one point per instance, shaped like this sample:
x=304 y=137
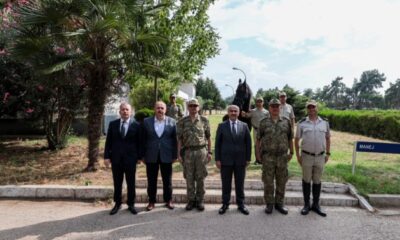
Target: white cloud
x=344 y=37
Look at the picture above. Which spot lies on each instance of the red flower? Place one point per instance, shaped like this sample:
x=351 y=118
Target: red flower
x=29 y=110
x=59 y=50
x=6 y=95
x=40 y=88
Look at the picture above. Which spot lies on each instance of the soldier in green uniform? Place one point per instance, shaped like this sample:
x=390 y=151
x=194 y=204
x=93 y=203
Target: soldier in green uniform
x=174 y=110
x=193 y=133
x=314 y=133
x=275 y=147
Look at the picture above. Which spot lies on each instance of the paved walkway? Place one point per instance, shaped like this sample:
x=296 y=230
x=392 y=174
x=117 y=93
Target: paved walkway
x=78 y=220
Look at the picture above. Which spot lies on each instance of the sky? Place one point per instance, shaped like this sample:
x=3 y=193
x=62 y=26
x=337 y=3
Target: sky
x=303 y=43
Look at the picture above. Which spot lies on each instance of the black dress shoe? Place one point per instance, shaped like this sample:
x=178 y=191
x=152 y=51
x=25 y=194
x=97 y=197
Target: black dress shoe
x=306 y=209
x=132 y=209
x=170 y=205
x=280 y=208
x=115 y=209
x=190 y=205
x=243 y=210
x=223 y=209
x=269 y=208
x=200 y=206
x=316 y=208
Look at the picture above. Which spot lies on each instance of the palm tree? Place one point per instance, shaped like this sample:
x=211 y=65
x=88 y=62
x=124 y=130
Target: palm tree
x=108 y=39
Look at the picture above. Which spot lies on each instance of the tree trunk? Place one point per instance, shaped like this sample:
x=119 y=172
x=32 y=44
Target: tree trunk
x=155 y=89
x=99 y=87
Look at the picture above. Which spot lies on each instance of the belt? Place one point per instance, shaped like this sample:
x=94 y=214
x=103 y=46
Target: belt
x=194 y=148
x=274 y=153
x=313 y=154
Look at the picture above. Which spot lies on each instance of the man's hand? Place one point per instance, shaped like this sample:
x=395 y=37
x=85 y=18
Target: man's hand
x=290 y=155
x=218 y=164
x=209 y=156
x=300 y=160
x=107 y=163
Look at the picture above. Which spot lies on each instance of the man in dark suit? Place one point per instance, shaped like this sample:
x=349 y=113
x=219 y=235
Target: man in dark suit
x=232 y=156
x=160 y=146
x=122 y=151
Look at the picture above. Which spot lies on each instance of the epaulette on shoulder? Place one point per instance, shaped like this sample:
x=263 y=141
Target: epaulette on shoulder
x=302 y=120
x=203 y=118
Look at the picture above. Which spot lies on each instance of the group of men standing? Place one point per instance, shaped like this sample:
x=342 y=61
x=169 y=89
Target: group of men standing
x=169 y=137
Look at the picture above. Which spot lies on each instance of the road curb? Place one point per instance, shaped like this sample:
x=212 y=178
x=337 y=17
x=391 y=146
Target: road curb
x=384 y=200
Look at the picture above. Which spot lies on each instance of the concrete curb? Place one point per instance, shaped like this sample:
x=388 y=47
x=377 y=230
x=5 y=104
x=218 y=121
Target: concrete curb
x=334 y=194
x=362 y=201
x=384 y=200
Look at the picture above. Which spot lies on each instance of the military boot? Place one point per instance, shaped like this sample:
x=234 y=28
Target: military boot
x=190 y=205
x=306 y=196
x=316 y=191
x=200 y=205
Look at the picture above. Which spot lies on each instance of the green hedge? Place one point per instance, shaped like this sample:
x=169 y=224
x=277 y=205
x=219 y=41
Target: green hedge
x=383 y=124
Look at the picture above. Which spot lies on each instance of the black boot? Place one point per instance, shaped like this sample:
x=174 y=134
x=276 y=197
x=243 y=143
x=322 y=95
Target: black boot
x=306 y=196
x=316 y=191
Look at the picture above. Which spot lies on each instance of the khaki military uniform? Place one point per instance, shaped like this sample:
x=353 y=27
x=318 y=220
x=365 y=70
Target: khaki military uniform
x=274 y=140
x=193 y=136
x=256 y=115
x=174 y=111
x=286 y=110
x=313 y=147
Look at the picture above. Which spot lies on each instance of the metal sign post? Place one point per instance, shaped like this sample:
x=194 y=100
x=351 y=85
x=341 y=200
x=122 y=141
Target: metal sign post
x=376 y=147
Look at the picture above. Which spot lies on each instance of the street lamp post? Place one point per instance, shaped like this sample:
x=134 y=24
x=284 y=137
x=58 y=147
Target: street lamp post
x=233 y=91
x=235 y=68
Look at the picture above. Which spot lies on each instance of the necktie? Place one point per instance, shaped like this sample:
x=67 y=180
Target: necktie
x=233 y=128
x=123 y=129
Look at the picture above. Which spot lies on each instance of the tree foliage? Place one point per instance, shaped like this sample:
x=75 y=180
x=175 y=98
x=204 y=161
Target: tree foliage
x=208 y=91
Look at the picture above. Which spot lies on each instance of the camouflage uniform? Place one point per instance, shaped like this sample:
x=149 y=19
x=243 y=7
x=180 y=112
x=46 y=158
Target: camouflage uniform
x=174 y=111
x=274 y=144
x=193 y=136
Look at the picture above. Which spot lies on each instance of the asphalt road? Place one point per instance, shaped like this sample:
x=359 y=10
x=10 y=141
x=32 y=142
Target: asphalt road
x=78 y=220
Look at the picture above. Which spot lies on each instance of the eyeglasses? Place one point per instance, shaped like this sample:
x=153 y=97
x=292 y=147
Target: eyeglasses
x=310 y=106
x=192 y=105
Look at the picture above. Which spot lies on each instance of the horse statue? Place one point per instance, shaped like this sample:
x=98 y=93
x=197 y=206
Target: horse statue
x=242 y=100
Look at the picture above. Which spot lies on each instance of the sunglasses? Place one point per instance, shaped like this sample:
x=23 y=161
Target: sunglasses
x=192 y=105
x=311 y=107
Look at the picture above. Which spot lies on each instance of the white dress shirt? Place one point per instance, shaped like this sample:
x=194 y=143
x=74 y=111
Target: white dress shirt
x=159 y=126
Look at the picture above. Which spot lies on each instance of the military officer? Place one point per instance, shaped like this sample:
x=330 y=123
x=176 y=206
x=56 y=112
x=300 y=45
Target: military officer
x=275 y=148
x=193 y=133
x=174 y=110
x=286 y=109
x=255 y=115
x=314 y=153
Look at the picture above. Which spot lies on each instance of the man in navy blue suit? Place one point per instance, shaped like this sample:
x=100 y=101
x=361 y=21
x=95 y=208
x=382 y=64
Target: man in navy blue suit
x=122 y=152
x=232 y=156
x=160 y=151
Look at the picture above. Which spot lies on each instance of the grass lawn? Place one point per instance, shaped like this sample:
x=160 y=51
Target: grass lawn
x=25 y=161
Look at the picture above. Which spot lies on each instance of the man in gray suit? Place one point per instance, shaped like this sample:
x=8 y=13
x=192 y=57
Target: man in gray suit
x=232 y=156
x=160 y=151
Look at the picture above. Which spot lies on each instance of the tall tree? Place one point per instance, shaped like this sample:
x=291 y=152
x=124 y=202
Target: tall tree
x=207 y=89
x=392 y=95
x=364 y=90
x=111 y=39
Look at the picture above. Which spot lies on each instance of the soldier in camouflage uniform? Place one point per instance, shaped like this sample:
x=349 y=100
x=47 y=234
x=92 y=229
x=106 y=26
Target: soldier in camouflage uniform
x=275 y=147
x=174 y=110
x=193 y=134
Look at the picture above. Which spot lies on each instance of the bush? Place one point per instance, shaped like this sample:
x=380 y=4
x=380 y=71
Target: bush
x=383 y=124
x=143 y=113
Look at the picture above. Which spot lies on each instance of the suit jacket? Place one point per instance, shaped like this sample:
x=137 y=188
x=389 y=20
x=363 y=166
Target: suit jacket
x=122 y=149
x=233 y=150
x=166 y=145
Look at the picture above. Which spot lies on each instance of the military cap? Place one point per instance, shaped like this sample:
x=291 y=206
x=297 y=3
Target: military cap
x=311 y=102
x=274 y=101
x=259 y=99
x=173 y=95
x=282 y=94
x=194 y=101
